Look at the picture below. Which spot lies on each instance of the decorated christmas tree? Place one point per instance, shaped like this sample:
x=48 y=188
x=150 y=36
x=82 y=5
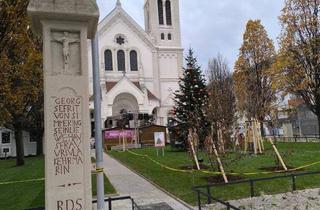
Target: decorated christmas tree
x=190 y=100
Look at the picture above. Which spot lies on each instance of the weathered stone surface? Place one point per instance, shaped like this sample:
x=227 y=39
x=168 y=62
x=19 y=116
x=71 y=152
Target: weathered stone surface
x=64 y=10
x=65 y=26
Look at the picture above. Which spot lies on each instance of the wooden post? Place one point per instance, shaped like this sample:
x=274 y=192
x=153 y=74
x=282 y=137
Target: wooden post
x=278 y=155
x=254 y=139
x=193 y=152
x=260 y=136
x=257 y=135
x=246 y=142
x=219 y=163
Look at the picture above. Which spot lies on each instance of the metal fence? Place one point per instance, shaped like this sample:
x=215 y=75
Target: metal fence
x=309 y=138
x=205 y=190
x=110 y=200
x=134 y=205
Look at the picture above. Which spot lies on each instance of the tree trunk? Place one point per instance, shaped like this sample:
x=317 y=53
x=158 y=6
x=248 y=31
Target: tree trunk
x=262 y=129
x=19 y=144
x=40 y=143
x=318 y=116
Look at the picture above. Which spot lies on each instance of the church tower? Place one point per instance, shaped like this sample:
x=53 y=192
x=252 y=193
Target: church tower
x=162 y=21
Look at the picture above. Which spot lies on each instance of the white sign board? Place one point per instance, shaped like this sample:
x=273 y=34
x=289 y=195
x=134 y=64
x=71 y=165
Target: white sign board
x=159 y=139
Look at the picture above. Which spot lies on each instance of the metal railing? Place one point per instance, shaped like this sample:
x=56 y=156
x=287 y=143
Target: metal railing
x=200 y=189
x=296 y=138
x=134 y=205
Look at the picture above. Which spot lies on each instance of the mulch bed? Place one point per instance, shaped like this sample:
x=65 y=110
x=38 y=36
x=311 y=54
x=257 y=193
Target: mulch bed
x=219 y=179
x=278 y=168
x=189 y=167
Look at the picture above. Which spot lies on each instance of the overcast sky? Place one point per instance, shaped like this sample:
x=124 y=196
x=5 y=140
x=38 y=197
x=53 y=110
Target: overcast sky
x=212 y=26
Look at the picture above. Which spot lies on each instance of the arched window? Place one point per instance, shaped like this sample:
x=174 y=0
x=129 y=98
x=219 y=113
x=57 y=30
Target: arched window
x=108 y=65
x=168 y=13
x=162 y=36
x=121 y=60
x=160 y=12
x=133 y=60
x=169 y=36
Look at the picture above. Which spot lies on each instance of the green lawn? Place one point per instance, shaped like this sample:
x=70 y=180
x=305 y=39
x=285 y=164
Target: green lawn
x=19 y=196
x=180 y=184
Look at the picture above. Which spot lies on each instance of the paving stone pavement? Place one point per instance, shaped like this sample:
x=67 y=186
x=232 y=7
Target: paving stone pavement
x=126 y=182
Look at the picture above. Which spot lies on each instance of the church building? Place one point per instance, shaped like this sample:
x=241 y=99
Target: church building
x=140 y=68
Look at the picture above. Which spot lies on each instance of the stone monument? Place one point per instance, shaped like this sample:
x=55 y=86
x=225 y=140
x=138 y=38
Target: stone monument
x=65 y=26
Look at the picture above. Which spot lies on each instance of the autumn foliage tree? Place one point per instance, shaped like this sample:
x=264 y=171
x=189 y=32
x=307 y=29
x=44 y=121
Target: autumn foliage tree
x=221 y=107
x=253 y=84
x=298 y=63
x=21 y=70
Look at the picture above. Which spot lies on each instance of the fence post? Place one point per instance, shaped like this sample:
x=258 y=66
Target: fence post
x=209 y=194
x=251 y=188
x=199 y=200
x=109 y=204
x=132 y=204
x=228 y=206
x=294 y=188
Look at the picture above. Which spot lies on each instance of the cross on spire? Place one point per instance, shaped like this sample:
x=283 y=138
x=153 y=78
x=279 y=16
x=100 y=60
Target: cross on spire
x=118 y=3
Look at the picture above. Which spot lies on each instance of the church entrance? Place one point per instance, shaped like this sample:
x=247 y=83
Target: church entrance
x=124 y=102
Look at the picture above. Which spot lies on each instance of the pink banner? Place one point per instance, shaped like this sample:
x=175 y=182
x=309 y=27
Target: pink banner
x=116 y=134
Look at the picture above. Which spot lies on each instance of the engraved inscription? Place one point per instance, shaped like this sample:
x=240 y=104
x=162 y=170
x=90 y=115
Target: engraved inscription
x=67 y=125
x=66 y=53
x=70 y=204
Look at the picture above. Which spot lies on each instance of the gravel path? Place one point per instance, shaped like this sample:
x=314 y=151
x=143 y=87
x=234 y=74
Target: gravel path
x=298 y=200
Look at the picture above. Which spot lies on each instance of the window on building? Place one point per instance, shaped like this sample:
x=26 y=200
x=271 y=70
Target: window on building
x=160 y=12
x=6 y=138
x=108 y=60
x=133 y=60
x=162 y=36
x=121 y=60
x=5 y=150
x=168 y=13
x=169 y=36
x=120 y=40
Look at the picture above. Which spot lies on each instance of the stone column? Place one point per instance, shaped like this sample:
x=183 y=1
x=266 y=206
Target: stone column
x=65 y=26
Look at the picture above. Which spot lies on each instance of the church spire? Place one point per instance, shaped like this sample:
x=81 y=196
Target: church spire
x=118 y=3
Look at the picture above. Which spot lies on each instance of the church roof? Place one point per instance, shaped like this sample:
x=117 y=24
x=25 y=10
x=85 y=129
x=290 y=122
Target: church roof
x=151 y=96
x=119 y=13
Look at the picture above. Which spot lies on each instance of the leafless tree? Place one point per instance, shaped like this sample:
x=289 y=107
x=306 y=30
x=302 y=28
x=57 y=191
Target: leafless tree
x=221 y=108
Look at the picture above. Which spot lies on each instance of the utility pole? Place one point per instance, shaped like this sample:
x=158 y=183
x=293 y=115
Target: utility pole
x=97 y=122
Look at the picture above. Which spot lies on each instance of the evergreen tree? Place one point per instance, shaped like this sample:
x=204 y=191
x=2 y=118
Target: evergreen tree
x=190 y=100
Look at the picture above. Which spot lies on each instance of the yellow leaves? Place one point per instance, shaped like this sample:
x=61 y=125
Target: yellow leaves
x=299 y=48
x=252 y=71
x=21 y=67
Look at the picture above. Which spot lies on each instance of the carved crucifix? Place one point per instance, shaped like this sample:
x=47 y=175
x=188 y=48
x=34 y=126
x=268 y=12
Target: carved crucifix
x=66 y=41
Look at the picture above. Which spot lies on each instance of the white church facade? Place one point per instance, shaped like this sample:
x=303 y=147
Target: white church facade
x=140 y=68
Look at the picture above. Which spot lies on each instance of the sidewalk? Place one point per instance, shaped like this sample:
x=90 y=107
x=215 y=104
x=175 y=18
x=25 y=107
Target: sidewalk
x=129 y=183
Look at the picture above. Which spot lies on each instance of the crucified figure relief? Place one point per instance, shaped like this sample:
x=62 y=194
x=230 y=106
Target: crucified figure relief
x=66 y=41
